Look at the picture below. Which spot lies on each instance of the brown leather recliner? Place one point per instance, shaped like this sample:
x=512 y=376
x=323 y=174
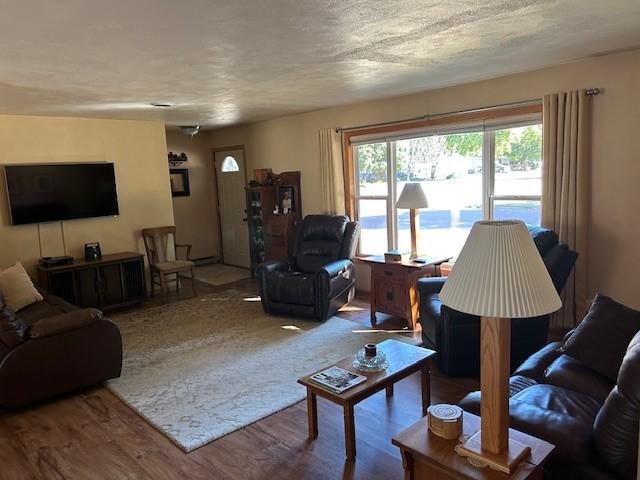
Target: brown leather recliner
x=592 y=422
x=52 y=347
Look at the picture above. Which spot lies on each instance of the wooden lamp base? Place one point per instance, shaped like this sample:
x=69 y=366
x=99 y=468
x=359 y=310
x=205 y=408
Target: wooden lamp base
x=492 y=444
x=414 y=223
x=506 y=462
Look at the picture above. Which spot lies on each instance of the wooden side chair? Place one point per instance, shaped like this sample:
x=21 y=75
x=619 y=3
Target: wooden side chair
x=161 y=246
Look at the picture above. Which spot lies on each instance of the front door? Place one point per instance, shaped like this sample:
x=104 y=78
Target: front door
x=231 y=179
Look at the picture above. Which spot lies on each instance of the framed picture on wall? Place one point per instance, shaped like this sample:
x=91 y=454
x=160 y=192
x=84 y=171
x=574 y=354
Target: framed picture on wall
x=286 y=199
x=179 y=182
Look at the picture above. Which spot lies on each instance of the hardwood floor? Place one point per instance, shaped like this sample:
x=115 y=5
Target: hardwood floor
x=93 y=435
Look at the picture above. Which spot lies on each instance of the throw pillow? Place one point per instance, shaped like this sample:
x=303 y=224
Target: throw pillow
x=602 y=338
x=12 y=328
x=17 y=288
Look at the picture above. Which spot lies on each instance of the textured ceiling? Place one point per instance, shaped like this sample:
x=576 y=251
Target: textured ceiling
x=222 y=62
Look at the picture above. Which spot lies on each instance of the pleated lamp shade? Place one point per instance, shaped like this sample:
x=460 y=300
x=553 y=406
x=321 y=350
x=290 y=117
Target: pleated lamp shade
x=500 y=273
x=412 y=196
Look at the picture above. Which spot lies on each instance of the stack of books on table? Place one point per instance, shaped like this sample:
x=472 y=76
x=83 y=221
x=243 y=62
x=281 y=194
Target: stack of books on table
x=336 y=379
x=396 y=256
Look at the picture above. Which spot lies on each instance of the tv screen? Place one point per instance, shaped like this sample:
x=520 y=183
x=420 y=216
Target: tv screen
x=50 y=193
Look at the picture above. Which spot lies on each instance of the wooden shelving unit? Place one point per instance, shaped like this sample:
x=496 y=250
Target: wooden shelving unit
x=270 y=234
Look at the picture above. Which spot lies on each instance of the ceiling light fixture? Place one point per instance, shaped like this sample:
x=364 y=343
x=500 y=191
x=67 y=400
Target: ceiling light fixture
x=190 y=130
x=161 y=105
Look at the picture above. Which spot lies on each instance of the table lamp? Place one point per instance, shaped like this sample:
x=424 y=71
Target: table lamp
x=413 y=198
x=499 y=275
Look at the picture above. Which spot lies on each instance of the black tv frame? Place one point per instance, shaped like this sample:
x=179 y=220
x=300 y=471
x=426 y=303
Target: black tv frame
x=9 y=204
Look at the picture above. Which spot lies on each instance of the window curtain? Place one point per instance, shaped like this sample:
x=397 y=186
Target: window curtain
x=331 y=171
x=565 y=185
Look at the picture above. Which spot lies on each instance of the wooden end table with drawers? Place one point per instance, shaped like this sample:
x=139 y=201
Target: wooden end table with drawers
x=394 y=285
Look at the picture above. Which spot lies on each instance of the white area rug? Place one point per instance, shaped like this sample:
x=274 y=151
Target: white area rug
x=220 y=274
x=202 y=368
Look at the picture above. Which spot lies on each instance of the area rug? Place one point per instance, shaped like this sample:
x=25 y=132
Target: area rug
x=202 y=368
x=220 y=274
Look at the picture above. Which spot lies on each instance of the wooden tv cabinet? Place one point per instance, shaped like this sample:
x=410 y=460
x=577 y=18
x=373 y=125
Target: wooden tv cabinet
x=114 y=281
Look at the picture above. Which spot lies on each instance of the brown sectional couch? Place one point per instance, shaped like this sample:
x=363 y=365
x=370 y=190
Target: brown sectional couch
x=592 y=420
x=52 y=347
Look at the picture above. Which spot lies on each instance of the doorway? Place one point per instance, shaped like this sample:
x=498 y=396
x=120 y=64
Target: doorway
x=230 y=182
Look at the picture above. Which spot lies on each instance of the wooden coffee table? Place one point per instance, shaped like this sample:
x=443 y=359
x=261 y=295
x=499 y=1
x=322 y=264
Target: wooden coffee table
x=404 y=360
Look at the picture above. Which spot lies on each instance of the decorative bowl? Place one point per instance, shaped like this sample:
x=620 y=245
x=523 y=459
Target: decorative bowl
x=370 y=364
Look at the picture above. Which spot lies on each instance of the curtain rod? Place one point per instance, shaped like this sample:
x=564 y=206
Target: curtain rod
x=589 y=91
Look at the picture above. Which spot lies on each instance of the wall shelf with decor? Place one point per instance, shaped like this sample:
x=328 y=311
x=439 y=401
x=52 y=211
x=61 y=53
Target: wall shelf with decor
x=269 y=196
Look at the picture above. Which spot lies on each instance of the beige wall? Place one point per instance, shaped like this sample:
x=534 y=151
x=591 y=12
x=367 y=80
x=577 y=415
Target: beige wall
x=138 y=150
x=291 y=143
x=196 y=216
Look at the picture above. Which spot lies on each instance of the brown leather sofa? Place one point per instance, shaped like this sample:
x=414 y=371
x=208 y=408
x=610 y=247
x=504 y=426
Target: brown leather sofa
x=592 y=421
x=52 y=347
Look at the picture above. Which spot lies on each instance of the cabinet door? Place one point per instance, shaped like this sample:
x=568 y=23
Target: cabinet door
x=111 y=285
x=61 y=285
x=88 y=287
x=390 y=297
x=275 y=241
x=133 y=279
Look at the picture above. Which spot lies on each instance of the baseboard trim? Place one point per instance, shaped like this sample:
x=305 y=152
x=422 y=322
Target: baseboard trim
x=206 y=260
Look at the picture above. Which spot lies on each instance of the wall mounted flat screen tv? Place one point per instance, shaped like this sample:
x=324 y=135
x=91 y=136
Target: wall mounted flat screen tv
x=55 y=192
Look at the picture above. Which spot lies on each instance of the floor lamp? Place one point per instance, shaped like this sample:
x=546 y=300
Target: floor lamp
x=499 y=275
x=413 y=198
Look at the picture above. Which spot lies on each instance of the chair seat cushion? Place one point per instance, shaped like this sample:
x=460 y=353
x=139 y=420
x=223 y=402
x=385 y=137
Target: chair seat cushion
x=173 y=265
x=569 y=373
x=292 y=287
x=567 y=402
x=562 y=417
x=518 y=383
x=48 y=307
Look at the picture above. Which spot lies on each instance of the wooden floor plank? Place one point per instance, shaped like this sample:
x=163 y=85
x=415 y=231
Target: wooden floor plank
x=94 y=435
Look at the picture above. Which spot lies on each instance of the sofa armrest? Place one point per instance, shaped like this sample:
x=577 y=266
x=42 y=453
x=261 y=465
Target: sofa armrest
x=65 y=322
x=334 y=269
x=262 y=274
x=274 y=266
x=332 y=281
x=570 y=436
x=536 y=364
x=430 y=285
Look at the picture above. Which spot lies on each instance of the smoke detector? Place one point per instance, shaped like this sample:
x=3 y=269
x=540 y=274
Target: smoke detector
x=190 y=130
